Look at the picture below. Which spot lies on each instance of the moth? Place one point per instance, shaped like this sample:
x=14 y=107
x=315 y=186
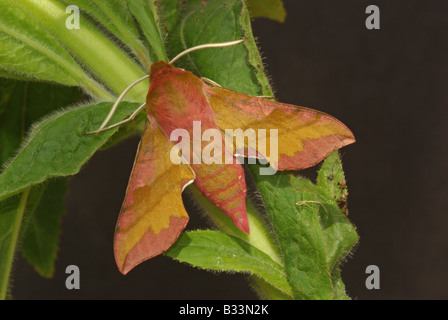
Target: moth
x=153 y=215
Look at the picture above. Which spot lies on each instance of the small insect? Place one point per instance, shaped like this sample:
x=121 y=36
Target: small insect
x=343 y=198
x=153 y=215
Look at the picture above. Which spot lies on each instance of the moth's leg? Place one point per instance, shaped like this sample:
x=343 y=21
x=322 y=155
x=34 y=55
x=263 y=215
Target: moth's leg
x=305 y=202
x=265 y=97
x=301 y=203
x=213 y=83
x=133 y=115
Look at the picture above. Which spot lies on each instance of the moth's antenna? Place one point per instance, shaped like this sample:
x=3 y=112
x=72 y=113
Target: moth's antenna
x=204 y=46
x=133 y=115
x=114 y=107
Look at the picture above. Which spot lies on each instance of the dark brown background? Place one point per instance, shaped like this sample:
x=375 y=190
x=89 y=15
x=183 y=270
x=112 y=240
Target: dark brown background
x=388 y=86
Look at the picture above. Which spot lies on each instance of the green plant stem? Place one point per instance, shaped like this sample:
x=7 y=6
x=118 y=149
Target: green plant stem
x=113 y=66
x=140 y=51
x=267 y=292
x=14 y=238
x=260 y=235
x=145 y=12
x=89 y=84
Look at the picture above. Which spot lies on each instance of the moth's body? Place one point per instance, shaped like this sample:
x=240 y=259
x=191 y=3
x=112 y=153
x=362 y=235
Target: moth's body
x=175 y=100
x=153 y=216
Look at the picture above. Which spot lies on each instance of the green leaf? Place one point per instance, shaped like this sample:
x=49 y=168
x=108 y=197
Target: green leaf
x=340 y=233
x=313 y=233
x=146 y=14
x=338 y=285
x=29 y=51
x=260 y=236
x=11 y=117
x=266 y=291
x=58 y=146
x=272 y=9
x=115 y=16
x=21 y=104
x=298 y=231
x=237 y=67
x=215 y=250
x=103 y=59
x=331 y=177
x=169 y=13
x=36 y=52
x=41 y=235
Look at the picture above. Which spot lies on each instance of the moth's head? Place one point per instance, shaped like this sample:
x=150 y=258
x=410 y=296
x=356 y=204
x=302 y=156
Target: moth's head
x=157 y=66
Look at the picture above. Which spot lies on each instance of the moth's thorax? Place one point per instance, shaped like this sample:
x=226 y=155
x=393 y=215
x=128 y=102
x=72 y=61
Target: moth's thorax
x=176 y=99
x=159 y=66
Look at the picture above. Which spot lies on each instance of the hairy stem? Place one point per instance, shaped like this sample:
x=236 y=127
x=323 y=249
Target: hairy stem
x=14 y=238
x=112 y=65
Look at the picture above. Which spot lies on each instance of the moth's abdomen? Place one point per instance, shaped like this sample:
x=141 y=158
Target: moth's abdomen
x=224 y=185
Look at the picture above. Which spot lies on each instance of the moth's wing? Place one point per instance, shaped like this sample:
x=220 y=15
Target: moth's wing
x=305 y=136
x=153 y=214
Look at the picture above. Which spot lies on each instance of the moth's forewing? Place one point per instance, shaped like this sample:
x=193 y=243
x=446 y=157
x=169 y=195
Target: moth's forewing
x=153 y=214
x=305 y=136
